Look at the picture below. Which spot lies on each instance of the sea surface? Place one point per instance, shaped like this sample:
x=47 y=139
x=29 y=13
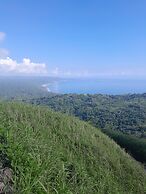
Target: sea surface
x=93 y=86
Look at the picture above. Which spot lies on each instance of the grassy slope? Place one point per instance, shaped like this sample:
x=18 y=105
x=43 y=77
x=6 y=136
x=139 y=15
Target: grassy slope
x=54 y=153
x=121 y=117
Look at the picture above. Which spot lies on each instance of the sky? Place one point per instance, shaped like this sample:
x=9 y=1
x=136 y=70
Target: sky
x=73 y=38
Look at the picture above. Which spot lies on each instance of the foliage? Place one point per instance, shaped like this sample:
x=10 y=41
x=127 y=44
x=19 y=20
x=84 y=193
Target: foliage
x=126 y=113
x=123 y=113
x=54 y=153
x=135 y=146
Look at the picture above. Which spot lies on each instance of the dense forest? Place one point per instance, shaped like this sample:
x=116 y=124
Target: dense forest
x=119 y=116
x=53 y=153
x=126 y=113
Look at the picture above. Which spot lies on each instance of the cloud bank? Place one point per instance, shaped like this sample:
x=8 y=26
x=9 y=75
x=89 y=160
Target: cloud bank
x=26 y=67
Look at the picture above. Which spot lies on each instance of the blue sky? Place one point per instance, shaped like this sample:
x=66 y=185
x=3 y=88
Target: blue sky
x=73 y=37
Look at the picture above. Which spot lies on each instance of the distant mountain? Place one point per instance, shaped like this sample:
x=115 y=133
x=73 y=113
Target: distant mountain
x=23 y=87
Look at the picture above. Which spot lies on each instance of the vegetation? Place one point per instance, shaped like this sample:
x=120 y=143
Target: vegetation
x=126 y=113
x=54 y=153
x=135 y=146
x=122 y=117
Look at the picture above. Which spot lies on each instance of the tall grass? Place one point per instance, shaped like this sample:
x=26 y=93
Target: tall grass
x=56 y=154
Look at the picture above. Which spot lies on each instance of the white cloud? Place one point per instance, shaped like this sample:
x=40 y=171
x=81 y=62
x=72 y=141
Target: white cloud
x=10 y=66
x=26 y=67
x=2 y=36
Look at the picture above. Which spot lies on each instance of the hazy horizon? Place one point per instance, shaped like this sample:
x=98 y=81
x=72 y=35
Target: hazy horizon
x=43 y=85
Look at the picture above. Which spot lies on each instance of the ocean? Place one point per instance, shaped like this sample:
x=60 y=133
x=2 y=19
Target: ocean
x=93 y=86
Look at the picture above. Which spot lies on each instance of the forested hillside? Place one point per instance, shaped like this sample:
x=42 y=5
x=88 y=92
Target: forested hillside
x=122 y=117
x=126 y=113
x=53 y=153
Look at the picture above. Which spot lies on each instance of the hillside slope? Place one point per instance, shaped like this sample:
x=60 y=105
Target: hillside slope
x=125 y=113
x=54 y=153
x=121 y=117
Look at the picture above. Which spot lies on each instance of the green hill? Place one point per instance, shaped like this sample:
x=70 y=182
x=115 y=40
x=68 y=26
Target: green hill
x=54 y=153
x=121 y=117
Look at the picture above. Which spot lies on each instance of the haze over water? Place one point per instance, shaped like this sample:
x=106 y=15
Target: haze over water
x=93 y=86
